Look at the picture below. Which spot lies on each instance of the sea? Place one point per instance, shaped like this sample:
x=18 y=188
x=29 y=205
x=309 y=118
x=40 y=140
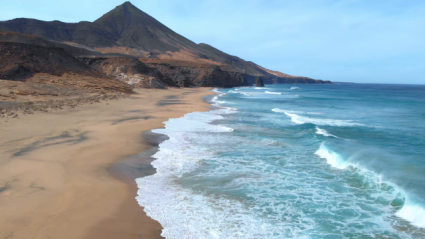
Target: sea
x=294 y=161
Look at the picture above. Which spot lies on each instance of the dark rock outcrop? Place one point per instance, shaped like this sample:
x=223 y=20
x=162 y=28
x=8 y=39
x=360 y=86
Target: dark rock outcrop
x=187 y=74
x=259 y=82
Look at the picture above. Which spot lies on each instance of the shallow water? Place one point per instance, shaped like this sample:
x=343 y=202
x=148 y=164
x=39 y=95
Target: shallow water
x=294 y=161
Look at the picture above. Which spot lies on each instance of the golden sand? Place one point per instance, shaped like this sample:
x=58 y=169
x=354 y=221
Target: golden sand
x=54 y=178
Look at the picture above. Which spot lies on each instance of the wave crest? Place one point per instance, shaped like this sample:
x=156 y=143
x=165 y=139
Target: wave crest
x=273 y=93
x=324 y=132
x=298 y=119
x=410 y=211
x=332 y=158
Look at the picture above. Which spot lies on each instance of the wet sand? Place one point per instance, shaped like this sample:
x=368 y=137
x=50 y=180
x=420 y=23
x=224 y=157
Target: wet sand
x=69 y=173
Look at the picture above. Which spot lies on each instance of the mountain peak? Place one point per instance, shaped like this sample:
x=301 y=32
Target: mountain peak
x=127 y=3
x=131 y=27
x=127 y=6
x=123 y=17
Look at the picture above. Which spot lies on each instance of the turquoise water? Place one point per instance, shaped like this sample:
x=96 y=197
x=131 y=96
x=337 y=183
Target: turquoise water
x=294 y=161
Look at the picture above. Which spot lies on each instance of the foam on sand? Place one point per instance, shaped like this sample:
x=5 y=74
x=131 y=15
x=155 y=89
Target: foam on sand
x=219 y=103
x=182 y=212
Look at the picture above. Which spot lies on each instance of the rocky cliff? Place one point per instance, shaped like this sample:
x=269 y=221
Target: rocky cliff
x=259 y=82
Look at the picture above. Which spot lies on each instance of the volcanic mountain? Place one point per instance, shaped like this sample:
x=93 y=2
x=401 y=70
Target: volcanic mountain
x=127 y=30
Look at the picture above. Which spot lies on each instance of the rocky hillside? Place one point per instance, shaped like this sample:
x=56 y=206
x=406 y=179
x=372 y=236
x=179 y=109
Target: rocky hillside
x=23 y=62
x=129 y=70
x=20 y=61
x=71 y=48
x=42 y=78
x=126 y=30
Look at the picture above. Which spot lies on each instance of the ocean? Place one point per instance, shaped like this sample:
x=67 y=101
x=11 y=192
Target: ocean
x=294 y=161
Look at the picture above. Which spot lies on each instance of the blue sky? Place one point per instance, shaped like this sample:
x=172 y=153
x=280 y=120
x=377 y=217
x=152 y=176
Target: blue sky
x=370 y=41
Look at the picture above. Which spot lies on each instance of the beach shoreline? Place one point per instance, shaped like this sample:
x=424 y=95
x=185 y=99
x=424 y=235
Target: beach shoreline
x=58 y=175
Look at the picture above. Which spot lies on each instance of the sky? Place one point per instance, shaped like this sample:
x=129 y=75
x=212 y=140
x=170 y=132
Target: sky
x=364 y=41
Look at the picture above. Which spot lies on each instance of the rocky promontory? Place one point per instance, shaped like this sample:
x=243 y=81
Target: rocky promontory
x=259 y=82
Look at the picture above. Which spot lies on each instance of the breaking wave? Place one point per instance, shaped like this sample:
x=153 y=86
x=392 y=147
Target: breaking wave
x=298 y=119
x=324 y=132
x=410 y=211
x=273 y=93
x=413 y=213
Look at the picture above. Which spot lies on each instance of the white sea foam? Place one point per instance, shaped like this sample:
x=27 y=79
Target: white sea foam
x=298 y=119
x=193 y=212
x=219 y=103
x=274 y=93
x=195 y=122
x=295 y=88
x=277 y=110
x=230 y=110
x=332 y=158
x=324 y=132
x=410 y=211
x=261 y=88
x=240 y=92
x=215 y=100
x=413 y=213
x=182 y=212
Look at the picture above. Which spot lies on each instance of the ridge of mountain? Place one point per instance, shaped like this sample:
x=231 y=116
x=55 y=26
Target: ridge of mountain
x=71 y=48
x=126 y=30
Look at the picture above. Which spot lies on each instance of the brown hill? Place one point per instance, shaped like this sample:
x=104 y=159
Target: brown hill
x=19 y=59
x=128 y=30
x=72 y=48
x=22 y=62
x=130 y=70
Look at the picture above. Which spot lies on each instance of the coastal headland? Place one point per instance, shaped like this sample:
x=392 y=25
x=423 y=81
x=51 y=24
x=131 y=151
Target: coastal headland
x=55 y=167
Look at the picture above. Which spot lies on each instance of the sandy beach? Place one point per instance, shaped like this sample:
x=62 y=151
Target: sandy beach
x=55 y=168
